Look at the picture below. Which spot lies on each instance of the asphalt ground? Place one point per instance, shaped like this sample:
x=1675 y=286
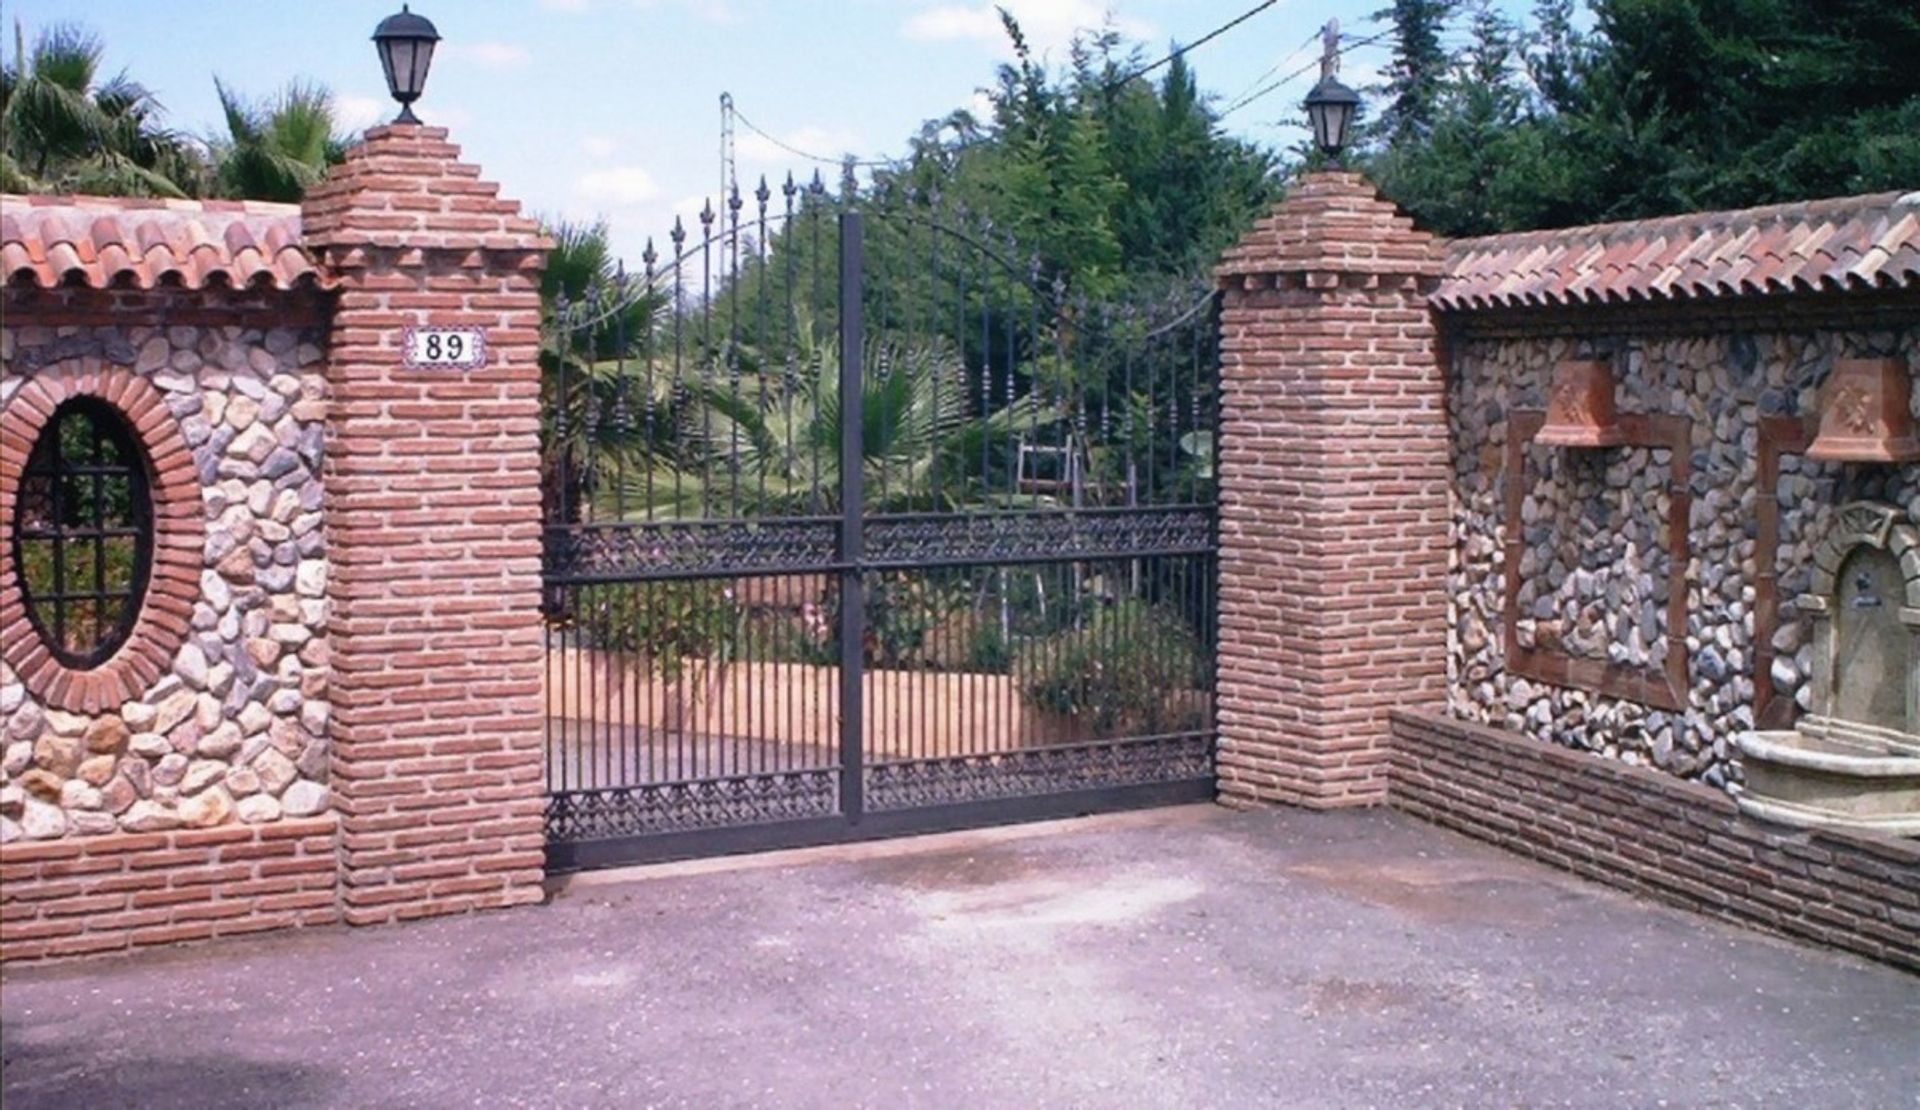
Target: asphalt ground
x=1184 y=957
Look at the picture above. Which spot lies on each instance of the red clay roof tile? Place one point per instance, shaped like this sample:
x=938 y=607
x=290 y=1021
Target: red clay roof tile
x=1862 y=242
x=99 y=242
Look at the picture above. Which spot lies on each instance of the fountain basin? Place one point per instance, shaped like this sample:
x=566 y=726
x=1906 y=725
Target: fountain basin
x=1834 y=774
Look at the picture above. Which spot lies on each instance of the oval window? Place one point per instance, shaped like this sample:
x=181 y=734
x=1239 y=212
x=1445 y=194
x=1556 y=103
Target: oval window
x=83 y=532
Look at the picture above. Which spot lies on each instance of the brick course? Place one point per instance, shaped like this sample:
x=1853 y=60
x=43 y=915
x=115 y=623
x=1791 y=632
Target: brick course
x=434 y=531
x=86 y=895
x=1647 y=832
x=1333 y=504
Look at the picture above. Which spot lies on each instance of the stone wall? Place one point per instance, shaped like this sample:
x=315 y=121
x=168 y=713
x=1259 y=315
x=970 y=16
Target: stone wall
x=1597 y=556
x=235 y=729
x=328 y=706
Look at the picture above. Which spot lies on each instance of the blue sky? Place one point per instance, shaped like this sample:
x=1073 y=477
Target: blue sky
x=584 y=108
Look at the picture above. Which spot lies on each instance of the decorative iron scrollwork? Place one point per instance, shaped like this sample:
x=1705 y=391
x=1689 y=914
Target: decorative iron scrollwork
x=1037 y=535
x=580 y=815
x=580 y=554
x=1034 y=771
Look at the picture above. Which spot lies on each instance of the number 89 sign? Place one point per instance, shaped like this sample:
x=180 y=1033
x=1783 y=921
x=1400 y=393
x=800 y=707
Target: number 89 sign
x=446 y=348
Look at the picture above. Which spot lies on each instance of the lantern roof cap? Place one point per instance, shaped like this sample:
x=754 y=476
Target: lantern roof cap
x=405 y=24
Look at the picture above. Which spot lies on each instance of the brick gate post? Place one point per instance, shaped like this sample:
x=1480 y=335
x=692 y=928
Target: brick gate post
x=434 y=532
x=1333 y=495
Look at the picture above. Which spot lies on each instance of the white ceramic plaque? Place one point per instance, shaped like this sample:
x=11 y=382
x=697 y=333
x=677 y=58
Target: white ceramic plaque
x=446 y=348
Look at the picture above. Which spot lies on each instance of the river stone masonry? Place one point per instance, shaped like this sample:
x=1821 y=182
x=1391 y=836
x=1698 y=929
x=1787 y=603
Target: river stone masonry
x=1596 y=555
x=237 y=731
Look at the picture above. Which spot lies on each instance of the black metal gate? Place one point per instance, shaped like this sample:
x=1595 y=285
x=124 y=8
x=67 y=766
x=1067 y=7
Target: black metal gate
x=861 y=524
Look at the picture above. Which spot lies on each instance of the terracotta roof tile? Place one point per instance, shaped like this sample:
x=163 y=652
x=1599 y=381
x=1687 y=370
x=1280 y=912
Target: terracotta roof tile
x=1863 y=242
x=102 y=242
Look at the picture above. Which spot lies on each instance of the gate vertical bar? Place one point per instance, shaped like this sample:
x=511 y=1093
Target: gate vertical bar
x=853 y=609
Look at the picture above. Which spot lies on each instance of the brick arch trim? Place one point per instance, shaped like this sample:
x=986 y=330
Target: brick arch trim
x=179 y=538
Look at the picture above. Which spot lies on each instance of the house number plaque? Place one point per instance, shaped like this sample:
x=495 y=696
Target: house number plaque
x=445 y=348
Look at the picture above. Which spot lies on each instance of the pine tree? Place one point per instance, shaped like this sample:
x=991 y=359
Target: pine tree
x=1418 y=72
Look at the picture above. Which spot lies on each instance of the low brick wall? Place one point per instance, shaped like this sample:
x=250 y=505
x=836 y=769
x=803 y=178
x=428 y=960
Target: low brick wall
x=106 y=893
x=1658 y=836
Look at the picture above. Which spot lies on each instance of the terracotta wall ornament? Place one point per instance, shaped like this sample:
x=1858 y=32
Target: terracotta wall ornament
x=1580 y=411
x=1866 y=414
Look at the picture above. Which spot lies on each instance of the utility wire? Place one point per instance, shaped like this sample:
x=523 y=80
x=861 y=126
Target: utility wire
x=797 y=152
x=1275 y=67
x=1239 y=103
x=1195 y=44
x=1249 y=99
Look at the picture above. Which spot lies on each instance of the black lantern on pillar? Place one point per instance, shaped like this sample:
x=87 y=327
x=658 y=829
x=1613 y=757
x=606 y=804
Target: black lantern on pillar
x=1331 y=107
x=405 y=42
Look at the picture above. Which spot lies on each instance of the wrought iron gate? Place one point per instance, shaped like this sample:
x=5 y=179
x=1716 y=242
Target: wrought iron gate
x=860 y=525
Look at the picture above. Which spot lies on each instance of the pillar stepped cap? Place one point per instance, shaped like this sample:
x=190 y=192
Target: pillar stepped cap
x=1332 y=223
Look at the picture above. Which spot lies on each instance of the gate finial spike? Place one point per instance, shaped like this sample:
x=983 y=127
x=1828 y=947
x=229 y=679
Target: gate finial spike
x=762 y=193
x=648 y=258
x=678 y=234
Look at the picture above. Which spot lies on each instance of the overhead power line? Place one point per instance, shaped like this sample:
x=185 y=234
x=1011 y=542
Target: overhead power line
x=1238 y=103
x=1195 y=44
x=1250 y=98
x=1277 y=66
x=808 y=155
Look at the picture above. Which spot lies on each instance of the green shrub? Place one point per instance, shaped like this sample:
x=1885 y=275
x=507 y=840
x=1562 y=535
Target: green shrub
x=987 y=648
x=904 y=610
x=666 y=622
x=1128 y=667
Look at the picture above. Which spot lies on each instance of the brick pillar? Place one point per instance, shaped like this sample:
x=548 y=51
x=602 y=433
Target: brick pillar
x=433 y=527
x=1333 y=496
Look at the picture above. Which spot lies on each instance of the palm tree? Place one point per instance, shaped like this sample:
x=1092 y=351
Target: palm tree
x=277 y=150
x=758 y=434
x=601 y=404
x=62 y=130
x=768 y=438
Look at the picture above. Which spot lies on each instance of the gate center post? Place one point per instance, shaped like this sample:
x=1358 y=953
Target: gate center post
x=853 y=610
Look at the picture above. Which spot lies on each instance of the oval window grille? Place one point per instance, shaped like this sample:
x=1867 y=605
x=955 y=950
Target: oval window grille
x=83 y=532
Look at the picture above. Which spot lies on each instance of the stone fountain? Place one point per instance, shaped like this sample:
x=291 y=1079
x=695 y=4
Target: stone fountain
x=1854 y=761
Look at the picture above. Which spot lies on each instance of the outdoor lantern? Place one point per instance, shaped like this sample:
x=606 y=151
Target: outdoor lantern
x=405 y=42
x=1331 y=107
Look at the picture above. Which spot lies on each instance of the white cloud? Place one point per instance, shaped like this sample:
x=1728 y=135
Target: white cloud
x=618 y=185
x=490 y=55
x=599 y=146
x=453 y=117
x=1048 y=24
x=357 y=113
x=564 y=5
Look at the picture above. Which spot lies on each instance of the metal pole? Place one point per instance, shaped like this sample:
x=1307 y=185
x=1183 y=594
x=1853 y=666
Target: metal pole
x=853 y=615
